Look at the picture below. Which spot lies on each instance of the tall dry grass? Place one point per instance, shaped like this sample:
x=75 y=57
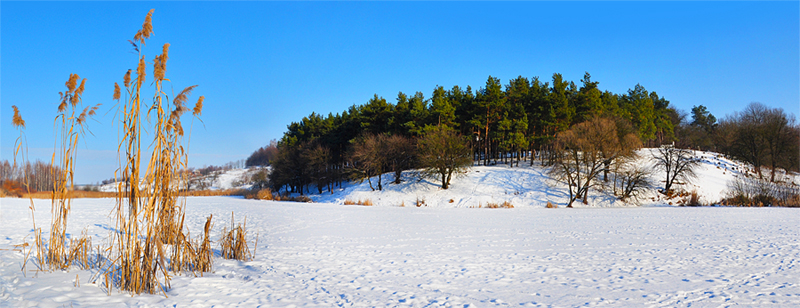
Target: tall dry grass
x=21 y=151
x=150 y=215
x=70 y=126
x=233 y=244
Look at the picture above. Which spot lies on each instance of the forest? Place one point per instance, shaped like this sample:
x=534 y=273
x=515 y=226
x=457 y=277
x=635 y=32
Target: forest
x=518 y=121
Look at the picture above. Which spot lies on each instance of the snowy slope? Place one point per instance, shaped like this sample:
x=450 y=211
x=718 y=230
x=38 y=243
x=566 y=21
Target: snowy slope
x=527 y=185
x=326 y=255
x=238 y=178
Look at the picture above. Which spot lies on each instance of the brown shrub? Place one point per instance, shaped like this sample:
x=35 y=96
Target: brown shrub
x=11 y=189
x=694 y=199
x=265 y=194
x=294 y=199
x=504 y=205
x=551 y=205
x=365 y=202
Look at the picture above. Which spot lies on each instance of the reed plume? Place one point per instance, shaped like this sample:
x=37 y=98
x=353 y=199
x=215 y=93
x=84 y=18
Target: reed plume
x=117 y=92
x=198 y=107
x=17 y=120
x=147 y=28
x=127 y=79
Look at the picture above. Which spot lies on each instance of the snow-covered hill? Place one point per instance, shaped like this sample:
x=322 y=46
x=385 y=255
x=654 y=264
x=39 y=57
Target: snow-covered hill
x=237 y=178
x=526 y=186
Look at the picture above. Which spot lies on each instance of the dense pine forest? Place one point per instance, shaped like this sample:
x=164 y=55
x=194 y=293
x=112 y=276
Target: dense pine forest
x=510 y=123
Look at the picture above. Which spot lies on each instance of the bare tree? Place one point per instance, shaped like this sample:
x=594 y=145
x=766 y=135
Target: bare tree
x=400 y=155
x=630 y=178
x=579 y=155
x=677 y=165
x=369 y=158
x=761 y=136
x=442 y=152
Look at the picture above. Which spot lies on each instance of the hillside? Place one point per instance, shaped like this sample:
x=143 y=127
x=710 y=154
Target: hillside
x=531 y=186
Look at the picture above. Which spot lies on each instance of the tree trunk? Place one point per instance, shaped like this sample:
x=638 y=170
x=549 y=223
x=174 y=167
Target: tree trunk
x=486 y=154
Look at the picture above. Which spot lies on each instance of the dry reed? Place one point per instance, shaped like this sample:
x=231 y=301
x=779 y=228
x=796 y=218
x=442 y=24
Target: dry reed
x=233 y=244
x=365 y=202
x=152 y=241
x=56 y=254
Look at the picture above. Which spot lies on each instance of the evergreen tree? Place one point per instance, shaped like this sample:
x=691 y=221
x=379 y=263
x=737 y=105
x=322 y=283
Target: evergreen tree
x=442 y=111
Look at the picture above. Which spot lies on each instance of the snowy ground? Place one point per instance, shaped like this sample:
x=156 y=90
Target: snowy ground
x=327 y=255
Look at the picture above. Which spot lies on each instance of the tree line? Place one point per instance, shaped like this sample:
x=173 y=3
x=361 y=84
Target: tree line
x=767 y=138
x=498 y=123
x=29 y=177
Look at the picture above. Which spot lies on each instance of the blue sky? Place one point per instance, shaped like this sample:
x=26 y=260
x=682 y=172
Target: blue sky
x=262 y=65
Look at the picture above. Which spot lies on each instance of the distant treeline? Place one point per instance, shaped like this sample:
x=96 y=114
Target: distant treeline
x=39 y=176
x=510 y=122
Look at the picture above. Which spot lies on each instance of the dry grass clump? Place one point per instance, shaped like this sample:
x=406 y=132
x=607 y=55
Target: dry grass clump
x=204 y=255
x=365 y=202
x=214 y=193
x=233 y=244
x=265 y=194
x=504 y=205
x=694 y=199
x=551 y=205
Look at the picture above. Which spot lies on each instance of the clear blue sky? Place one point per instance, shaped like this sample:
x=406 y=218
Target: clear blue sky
x=262 y=65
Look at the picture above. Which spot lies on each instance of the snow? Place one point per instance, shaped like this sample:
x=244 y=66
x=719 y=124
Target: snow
x=233 y=178
x=606 y=253
x=332 y=255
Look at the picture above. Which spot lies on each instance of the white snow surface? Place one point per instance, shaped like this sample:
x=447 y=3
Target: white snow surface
x=325 y=255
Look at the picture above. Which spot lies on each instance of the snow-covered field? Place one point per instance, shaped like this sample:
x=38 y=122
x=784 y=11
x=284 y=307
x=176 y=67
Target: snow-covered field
x=332 y=255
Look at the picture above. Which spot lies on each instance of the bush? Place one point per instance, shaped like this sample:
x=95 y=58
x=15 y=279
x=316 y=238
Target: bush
x=761 y=192
x=12 y=189
x=504 y=205
x=551 y=205
x=295 y=199
x=264 y=194
x=694 y=199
